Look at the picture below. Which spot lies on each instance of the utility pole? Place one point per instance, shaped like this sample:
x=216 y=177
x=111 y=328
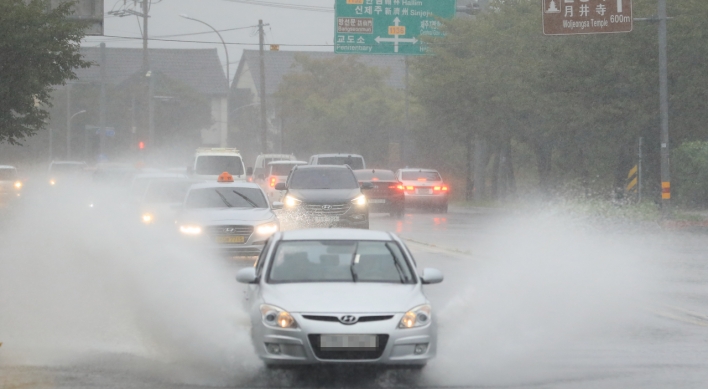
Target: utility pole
x=102 y=102
x=406 y=131
x=68 y=121
x=664 y=112
x=639 y=170
x=264 y=121
x=146 y=57
x=151 y=108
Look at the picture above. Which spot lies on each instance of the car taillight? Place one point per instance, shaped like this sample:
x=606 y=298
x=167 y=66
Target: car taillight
x=442 y=188
x=409 y=188
x=400 y=187
x=273 y=181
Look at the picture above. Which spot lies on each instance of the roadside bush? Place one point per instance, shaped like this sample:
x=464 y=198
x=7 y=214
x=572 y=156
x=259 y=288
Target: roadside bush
x=690 y=171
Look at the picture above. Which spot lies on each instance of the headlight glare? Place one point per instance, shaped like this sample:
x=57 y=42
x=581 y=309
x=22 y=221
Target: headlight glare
x=267 y=229
x=360 y=200
x=52 y=182
x=190 y=230
x=291 y=201
x=18 y=184
x=277 y=317
x=148 y=218
x=416 y=317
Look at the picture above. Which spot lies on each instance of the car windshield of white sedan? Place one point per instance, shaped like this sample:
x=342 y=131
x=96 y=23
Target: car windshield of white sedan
x=226 y=198
x=421 y=176
x=7 y=174
x=332 y=178
x=340 y=261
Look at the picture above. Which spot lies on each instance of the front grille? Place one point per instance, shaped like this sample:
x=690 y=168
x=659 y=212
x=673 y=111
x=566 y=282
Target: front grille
x=362 y=319
x=348 y=355
x=229 y=230
x=327 y=209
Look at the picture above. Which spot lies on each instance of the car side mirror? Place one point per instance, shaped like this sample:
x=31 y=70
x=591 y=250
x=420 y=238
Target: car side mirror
x=247 y=275
x=367 y=185
x=281 y=186
x=277 y=205
x=431 y=276
x=249 y=171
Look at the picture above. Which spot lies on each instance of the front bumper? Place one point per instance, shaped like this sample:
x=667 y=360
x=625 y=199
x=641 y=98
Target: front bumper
x=301 y=346
x=252 y=244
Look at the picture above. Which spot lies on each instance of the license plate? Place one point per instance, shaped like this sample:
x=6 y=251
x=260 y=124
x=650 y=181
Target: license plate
x=377 y=201
x=230 y=239
x=425 y=191
x=349 y=341
x=326 y=219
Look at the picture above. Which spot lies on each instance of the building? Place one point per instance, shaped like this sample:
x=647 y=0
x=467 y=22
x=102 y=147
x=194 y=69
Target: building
x=200 y=69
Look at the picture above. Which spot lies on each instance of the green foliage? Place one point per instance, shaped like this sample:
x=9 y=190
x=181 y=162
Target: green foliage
x=339 y=105
x=39 y=48
x=578 y=102
x=690 y=168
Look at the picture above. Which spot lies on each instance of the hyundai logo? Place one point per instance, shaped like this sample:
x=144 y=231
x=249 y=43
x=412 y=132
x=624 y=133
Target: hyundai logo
x=348 y=319
x=326 y=207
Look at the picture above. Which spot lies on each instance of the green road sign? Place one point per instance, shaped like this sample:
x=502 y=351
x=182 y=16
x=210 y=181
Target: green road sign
x=387 y=26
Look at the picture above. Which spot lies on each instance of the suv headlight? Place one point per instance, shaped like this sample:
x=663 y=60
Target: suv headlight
x=267 y=229
x=18 y=184
x=359 y=200
x=277 y=317
x=417 y=317
x=190 y=229
x=148 y=218
x=291 y=201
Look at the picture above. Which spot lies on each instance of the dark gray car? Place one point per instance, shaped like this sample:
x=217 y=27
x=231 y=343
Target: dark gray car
x=324 y=196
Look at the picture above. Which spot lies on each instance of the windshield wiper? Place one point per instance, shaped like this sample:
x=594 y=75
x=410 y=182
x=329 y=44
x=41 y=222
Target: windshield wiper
x=223 y=198
x=401 y=274
x=355 y=261
x=254 y=205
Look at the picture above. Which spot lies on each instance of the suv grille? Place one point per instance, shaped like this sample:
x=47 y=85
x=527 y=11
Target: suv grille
x=327 y=209
x=229 y=230
x=362 y=319
x=348 y=355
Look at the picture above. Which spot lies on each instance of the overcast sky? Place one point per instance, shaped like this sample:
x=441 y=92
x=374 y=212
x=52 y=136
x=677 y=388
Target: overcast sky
x=287 y=26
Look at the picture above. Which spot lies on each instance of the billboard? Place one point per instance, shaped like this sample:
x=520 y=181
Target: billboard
x=87 y=10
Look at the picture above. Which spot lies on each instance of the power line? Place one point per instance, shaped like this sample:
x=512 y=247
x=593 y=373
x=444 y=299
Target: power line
x=204 y=32
x=285 y=5
x=208 y=42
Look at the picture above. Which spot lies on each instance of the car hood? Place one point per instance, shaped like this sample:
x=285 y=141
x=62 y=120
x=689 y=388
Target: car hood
x=344 y=297
x=324 y=196
x=222 y=215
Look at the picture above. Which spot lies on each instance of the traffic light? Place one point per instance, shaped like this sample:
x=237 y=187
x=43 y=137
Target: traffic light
x=141 y=145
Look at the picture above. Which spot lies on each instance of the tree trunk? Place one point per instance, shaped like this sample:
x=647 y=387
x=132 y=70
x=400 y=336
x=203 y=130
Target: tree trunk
x=481 y=158
x=494 y=184
x=508 y=168
x=544 y=154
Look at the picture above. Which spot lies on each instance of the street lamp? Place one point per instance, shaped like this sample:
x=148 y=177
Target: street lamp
x=68 y=133
x=228 y=73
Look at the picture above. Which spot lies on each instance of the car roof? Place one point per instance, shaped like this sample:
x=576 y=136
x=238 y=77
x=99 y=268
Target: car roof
x=68 y=163
x=337 y=155
x=7 y=167
x=159 y=175
x=275 y=155
x=287 y=163
x=417 y=170
x=336 y=234
x=373 y=171
x=323 y=167
x=214 y=184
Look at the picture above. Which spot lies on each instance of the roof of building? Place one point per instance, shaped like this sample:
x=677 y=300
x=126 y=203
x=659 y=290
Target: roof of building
x=280 y=63
x=198 y=68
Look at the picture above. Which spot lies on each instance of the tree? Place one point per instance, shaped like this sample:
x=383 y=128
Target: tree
x=40 y=49
x=339 y=105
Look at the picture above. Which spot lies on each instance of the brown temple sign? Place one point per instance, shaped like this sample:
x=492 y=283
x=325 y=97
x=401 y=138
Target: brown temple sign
x=571 y=17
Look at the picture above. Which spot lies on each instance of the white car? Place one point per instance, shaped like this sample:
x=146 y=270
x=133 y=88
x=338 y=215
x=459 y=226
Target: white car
x=278 y=171
x=208 y=163
x=227 y=216
x=10 y=184
x=260 y=167
x=354 y=161
x=335 y=296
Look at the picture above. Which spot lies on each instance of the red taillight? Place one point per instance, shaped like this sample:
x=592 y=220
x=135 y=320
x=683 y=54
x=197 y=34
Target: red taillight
x=422 y=179
x=273 y=181
x=399 y=187
x=436 y=188
x=444 y=188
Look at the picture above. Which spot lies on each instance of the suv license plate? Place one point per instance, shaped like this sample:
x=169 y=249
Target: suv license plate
x=349 y=341
x=230 y=239
x=326 y=219
x=377 y=201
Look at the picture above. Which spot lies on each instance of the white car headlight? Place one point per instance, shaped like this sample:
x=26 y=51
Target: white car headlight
x=18 y=184
x=277 y=317
x=291 y=201
x=190 y=230
x=359 y=200
x=148 y=218
x=416 y=317
x=267 y=229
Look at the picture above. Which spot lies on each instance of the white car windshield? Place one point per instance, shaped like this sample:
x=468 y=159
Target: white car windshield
x=420 y=176
x=226 y=198
x=340 y=261
x=217 y=164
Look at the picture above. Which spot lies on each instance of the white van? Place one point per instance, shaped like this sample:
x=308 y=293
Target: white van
x=209 y=163
x=354 y=161
x=260 y=168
